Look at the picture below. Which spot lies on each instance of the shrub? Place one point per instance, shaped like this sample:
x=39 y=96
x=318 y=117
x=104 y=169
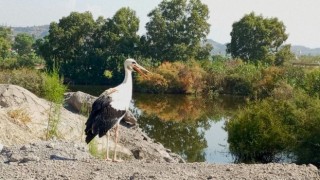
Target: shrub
x=268 y=81
x=30 y=79
x=53 y=90
x=174 y=77
x=312 y=82
x=267 y=128
x=237 y=85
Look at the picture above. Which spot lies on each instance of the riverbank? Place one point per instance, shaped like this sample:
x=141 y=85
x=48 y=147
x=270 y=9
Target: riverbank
x=66 y=160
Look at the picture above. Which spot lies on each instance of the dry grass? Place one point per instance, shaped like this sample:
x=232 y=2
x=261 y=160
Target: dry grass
x=20 y=116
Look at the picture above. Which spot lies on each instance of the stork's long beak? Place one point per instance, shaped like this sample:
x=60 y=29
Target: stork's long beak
x=141 y=70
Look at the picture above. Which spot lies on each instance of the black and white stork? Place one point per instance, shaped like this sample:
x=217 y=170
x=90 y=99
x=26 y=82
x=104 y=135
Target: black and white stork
x=111 y=106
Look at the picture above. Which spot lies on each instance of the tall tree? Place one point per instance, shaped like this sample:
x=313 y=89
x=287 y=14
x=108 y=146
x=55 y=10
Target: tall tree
x=69 y=45
x=23 y=43
x=117 y=38
x=123 y=28
x=177 y=30
x=255 y=38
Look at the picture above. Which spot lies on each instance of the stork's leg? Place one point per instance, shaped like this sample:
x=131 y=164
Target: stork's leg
x=107 y=155
x=115 y=147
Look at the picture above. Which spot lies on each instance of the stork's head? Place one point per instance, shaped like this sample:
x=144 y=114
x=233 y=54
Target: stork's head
x=132 y=65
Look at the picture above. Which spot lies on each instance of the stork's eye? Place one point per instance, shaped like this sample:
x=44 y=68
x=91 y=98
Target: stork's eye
x=134 y=62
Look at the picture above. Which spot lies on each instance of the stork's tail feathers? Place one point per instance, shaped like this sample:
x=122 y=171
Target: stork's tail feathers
x=89 y=137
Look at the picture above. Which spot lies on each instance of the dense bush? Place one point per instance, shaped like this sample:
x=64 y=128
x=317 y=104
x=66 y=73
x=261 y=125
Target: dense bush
x=30 y=79
x=312 y=82
x=174 y=77
x=46 y=85
x=266 y=128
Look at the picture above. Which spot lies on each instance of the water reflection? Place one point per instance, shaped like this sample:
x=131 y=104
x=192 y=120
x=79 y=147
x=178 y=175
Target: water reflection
x=183 y=123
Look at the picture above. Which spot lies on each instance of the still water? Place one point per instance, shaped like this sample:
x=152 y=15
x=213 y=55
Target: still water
x=190 y=126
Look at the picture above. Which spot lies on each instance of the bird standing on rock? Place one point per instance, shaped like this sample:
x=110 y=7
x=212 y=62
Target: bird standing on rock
x=111 y=106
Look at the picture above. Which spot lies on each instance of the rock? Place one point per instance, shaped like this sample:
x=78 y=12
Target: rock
x=29 y=158
x=25 y=147
x=15 y=158
x=80 y=101
x=313 y=167
x=138 y=154
x=1 y=147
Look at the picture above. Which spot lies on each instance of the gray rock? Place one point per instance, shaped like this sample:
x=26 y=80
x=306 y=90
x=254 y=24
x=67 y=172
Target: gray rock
x=29 y=158
x=25 y=147
x=1 y=147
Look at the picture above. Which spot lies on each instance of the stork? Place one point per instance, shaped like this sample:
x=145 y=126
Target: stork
x=111 y=106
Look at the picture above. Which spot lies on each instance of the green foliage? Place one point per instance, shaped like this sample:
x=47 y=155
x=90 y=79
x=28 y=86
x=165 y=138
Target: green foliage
x=255 y=38
x=84 y=48
x=28 y=78
x=312 y=82
x=5 y=42
x=274 y=125
x=177 y=30
x=53 y=90
x=4 y=48
x=23 y=44
x=284 y=55
x=122 y=31
x=232 y=77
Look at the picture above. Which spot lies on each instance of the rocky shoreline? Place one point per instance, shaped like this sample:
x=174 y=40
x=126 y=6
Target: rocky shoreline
x=67 y=160
x=25 y=154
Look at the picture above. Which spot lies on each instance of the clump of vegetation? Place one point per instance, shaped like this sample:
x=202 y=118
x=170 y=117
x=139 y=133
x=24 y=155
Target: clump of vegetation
x=30 y=79
x=20 y=116
x=271 y=126
x=53 y=90
x=177 y=77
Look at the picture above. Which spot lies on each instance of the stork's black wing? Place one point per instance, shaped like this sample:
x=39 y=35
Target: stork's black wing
x=102 y=118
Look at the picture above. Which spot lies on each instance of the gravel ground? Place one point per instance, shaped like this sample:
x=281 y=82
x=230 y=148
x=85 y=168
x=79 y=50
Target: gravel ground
x=64 y=160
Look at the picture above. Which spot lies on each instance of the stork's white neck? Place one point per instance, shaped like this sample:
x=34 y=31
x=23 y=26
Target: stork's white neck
x=127 y=79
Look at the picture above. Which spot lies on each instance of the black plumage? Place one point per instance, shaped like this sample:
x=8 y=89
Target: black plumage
x=102 y=118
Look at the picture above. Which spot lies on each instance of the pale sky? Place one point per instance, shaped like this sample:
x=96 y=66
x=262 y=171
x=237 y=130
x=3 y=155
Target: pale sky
x=301 y=17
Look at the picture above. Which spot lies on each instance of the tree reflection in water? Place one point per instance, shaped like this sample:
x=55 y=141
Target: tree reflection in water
x=179 y=122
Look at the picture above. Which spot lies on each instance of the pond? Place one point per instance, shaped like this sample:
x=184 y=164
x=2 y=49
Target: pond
x=191 y=126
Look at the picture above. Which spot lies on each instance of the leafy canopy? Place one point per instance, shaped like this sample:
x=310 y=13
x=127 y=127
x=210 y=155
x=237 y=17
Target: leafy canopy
x=177 y=31
x=255 y=38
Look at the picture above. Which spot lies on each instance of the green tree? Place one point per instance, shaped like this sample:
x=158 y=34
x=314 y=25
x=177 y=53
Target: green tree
x=284 y=55
x=69 y=45
x=177 y=31
x=255 y=38
x=5 y=42
x=83 y=48
x=23 y=43
x=4 y=48
x=116 y=38
x=122 y=29
x=6 y=33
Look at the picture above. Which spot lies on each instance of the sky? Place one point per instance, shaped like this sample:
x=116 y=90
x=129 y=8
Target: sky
x=301 y=17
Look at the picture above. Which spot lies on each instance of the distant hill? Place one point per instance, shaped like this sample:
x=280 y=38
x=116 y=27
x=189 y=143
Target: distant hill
x=302 y=50
x=218 y=48
x=36 y=31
